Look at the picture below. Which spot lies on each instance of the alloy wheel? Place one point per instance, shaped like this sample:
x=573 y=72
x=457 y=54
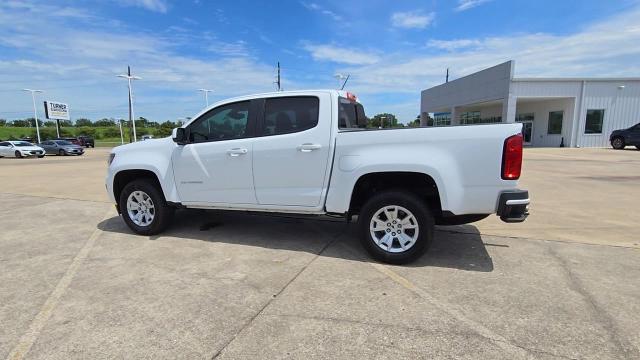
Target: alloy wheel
x=140 y=208
x=394 y=229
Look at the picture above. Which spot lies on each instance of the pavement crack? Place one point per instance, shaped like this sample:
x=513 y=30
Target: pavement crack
x=275 y=296
x=598 y=312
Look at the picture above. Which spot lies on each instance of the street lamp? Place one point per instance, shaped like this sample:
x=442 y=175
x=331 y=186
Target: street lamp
x=206 y=95
x=35 y=112
x=129 y=77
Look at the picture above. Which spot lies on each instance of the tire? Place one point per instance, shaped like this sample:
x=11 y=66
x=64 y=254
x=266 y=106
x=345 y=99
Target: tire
x=414 y=221
x=638 y=147
x=161 y=213
x=18 y=154
x=618 y=143
x=40 y=156
x=61 y=153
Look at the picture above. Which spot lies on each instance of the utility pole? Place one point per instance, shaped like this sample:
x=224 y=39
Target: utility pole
x=277 y=82
x=206 y=95
x=129 y=77
x=35 y=112
x=447 y=79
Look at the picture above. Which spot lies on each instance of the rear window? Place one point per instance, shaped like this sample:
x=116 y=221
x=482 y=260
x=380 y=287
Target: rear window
x=285 y=115
x=349 y=113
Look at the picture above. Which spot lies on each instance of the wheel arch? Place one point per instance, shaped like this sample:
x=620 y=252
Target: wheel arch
x=123 y=177
x=418 y=183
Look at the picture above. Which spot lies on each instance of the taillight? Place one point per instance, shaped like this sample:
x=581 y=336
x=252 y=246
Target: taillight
x=512 y=158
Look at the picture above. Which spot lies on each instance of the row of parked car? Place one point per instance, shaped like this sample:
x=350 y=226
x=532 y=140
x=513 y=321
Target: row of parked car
x=61 y=146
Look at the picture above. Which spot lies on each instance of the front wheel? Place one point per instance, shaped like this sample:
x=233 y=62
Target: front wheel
x=396 y=227
x=61 y=152
x=638 y=147
x=18 y=154
x=40 y=156
x=144 y=208
x=618 y=143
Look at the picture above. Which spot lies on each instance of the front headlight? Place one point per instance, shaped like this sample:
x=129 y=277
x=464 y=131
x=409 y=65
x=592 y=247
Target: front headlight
x=111 y=157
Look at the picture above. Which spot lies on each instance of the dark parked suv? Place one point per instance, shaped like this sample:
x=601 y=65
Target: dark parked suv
x=86 y=141
x=625 y=137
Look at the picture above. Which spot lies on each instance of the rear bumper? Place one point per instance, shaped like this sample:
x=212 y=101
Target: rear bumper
x=513 y=206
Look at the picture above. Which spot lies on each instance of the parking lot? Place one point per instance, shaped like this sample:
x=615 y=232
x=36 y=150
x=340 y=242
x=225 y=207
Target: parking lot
x=76 y=283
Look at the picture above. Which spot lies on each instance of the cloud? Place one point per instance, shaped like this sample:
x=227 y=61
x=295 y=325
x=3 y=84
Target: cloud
x=151 y=5
x=319 y=9
x=468 y=4
x=451 y=45
x=340 y=55
x=412 y=20
x=39 y=57
x=606 y=48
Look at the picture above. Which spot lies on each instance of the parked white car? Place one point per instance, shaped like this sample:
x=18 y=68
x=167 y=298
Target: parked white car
x=20 y=149
x=307 y=152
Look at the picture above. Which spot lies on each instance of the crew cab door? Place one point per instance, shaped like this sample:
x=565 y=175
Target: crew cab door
x=291 y=150
x=215 y=165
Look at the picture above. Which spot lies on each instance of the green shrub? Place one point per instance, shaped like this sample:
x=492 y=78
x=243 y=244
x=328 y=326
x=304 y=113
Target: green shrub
x=111 y=132
x=86 y=131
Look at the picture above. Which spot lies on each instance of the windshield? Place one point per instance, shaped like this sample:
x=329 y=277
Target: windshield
x=63 y=142
x=22 y=143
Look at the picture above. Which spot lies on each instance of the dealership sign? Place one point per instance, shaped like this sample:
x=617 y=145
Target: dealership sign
x=56 y=110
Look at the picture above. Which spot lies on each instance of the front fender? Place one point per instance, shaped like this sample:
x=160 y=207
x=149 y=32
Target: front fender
x=150 y=155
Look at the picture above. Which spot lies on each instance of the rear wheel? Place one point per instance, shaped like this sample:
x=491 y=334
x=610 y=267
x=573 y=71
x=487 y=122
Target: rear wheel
x=638 y=147
x=18 y=154
x=40 y=156
x=618 y=143
x=144 y=208
x=396 y=227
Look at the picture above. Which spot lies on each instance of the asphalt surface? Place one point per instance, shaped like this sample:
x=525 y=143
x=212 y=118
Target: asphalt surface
x=76 y=283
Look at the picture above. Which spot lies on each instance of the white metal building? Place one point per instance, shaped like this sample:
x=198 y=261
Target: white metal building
x=575 y=111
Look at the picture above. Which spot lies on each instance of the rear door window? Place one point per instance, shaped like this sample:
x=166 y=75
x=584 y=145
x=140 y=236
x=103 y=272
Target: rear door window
x=285 y=115
x=349 y=114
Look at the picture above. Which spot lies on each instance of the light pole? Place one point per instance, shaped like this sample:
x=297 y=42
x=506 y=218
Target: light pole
x=129 y=77
x=121 y=134
x=206 y=95
x=35 y=112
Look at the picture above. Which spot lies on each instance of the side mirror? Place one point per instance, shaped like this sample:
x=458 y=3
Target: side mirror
x=179 y=136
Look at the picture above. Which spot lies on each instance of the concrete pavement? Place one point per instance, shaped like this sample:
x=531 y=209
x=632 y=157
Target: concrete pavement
x=75 y=283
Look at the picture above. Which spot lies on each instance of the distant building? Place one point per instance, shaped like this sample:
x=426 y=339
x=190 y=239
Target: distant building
x=580 y=111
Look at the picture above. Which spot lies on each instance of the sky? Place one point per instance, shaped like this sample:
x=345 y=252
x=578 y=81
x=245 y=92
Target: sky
x=74 y=50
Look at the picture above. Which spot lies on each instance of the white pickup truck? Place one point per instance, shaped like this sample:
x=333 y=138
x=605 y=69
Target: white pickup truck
x=308 y=152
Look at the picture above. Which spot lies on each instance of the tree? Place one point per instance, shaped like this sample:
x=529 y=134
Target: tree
x=3 y=122
x=415 y=122
x=50 y=123
x=385 y=120
x=26 y=122
x=83 y=122
x=105 y=123
x=65 y=123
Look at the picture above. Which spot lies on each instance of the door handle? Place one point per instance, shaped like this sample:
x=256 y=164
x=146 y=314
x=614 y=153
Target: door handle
x=308 y=147
x=237 y=151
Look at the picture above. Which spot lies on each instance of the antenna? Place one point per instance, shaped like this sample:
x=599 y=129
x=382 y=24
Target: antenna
x=277 y=82
x=447 y=79
x=340 y=77
x=345 y=81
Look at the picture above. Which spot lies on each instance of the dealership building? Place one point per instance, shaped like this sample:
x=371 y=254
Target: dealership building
x=576 y=112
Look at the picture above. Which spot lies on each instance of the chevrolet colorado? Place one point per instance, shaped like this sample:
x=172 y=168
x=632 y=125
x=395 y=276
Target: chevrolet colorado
x=309 y=152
